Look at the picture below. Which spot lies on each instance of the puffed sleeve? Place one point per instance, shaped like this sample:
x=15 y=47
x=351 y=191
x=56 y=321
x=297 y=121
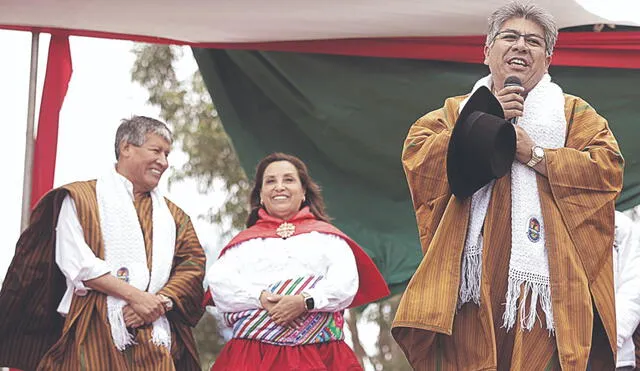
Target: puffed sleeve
x=233 y=283
x=340 y=284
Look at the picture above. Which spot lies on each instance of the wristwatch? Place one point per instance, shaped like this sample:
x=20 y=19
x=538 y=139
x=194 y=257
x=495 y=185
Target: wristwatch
x=309 y=304
x=537 y=155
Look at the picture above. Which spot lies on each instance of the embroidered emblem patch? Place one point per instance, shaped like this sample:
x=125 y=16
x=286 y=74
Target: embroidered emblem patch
x=123 y=274
x=533 y=231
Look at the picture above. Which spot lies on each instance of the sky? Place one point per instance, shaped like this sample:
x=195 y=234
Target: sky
x=100 y=94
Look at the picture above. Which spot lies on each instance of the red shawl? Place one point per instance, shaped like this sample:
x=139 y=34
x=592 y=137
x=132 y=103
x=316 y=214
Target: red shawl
x=371 y=283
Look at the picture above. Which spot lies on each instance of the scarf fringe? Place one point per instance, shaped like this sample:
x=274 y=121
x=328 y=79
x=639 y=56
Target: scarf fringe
x=470 y=278
x=534 y=293
x=471 y=270
x=121 y=337
x=161 y=335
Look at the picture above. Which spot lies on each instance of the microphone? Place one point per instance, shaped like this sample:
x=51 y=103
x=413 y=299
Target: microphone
x=512 y=81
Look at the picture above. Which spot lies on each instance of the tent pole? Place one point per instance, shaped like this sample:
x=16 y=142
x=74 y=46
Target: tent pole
x=30 y=141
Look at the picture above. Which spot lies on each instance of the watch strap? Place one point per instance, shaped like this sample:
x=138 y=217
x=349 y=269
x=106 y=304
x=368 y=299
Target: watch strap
x=533 y=162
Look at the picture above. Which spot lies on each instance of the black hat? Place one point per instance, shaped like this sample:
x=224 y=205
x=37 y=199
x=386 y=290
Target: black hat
x=482 y=145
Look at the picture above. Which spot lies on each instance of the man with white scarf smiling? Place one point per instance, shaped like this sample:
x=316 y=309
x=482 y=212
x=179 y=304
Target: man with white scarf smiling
x=120 y=270
x=518 y=276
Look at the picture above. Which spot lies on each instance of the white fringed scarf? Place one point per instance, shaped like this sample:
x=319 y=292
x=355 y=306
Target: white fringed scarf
x=544 y=120
x=125 y=253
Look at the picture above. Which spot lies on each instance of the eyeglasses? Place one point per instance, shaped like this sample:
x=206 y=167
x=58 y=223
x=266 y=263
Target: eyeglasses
x=512 y=37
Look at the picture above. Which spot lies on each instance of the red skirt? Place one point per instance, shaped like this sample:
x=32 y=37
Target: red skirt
x=253 y=355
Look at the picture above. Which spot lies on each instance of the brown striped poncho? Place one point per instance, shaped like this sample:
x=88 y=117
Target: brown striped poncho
x=34 y=335
x=577 y=200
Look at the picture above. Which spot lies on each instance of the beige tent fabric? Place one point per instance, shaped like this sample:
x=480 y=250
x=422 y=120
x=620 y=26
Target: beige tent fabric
x=288 y=20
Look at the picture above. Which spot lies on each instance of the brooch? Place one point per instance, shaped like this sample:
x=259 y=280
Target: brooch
x=286 y=230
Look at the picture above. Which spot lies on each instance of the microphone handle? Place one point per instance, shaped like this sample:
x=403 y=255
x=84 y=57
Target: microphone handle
x=514 y=82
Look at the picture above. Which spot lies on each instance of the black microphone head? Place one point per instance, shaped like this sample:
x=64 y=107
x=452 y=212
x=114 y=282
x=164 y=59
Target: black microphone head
x=512 y=81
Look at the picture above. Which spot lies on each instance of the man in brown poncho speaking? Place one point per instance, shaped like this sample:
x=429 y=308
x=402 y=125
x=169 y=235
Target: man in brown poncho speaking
x=108 y=275
x=518 y=275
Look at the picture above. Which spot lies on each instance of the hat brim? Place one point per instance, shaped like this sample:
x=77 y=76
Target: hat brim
x=463 y=175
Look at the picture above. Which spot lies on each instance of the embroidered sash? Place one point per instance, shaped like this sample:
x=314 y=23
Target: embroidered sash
x=310 y=328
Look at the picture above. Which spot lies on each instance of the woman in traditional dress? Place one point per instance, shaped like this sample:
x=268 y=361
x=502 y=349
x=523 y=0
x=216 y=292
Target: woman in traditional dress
x=284 y=282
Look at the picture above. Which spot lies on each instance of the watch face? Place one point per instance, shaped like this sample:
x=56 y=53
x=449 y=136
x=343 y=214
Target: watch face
x=538 y=151
x=309 y=303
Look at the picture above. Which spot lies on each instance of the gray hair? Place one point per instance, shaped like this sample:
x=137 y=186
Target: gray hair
x=135 y=130
x=530 y=11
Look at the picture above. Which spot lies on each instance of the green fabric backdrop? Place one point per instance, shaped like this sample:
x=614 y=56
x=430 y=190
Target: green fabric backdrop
x=347 y=117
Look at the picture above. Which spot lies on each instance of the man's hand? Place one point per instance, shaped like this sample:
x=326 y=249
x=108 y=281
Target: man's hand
x=148 y=306
x=166 y=301
x=269 y=300
x=287 y=309
x=131 y=318
x=524 y=144
x=512 y=101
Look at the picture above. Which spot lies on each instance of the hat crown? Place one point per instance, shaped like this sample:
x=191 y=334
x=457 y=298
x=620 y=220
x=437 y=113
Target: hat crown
x=482 y=145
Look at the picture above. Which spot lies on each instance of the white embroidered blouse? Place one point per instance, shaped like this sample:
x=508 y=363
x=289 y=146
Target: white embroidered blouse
x=243 y=272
